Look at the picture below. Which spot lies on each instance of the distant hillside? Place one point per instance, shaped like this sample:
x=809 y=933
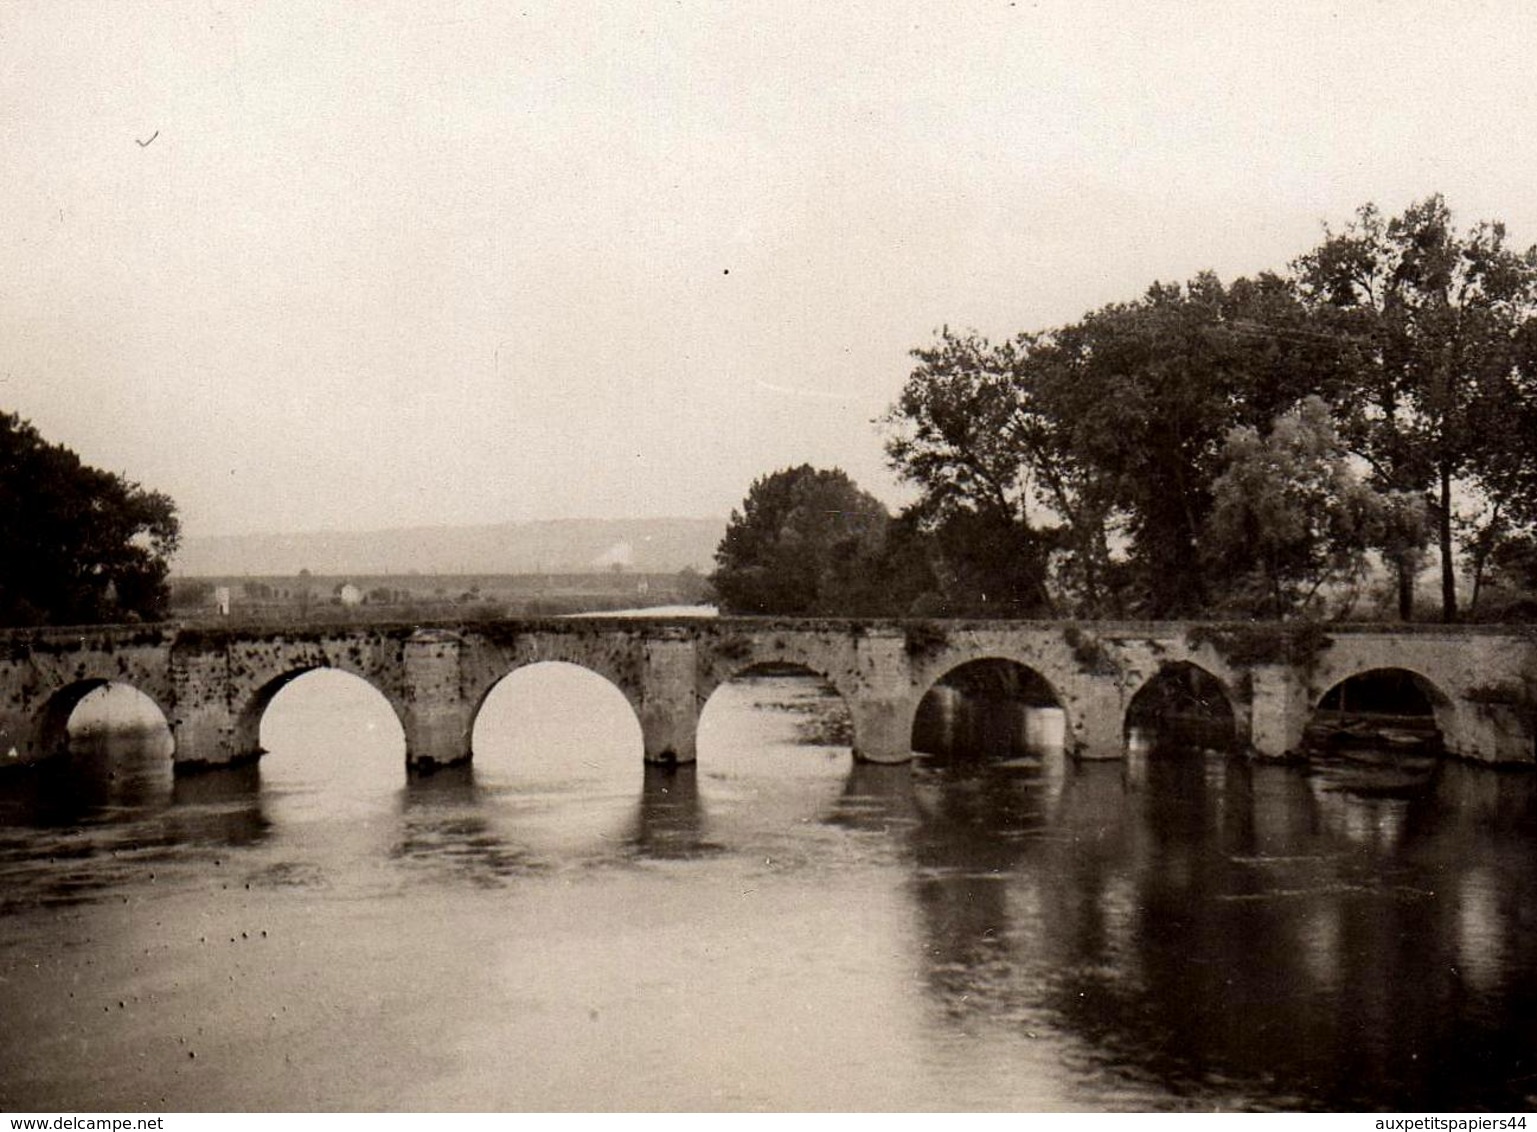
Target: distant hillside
x=562 y=546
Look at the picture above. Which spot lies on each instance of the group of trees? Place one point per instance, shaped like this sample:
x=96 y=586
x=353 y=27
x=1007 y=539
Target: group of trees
x=1244 y=449
x=1249 y=448
x=77 y=544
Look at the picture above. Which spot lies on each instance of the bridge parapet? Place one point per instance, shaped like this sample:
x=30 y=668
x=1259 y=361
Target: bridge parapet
x=214 y=685
x=45 y=672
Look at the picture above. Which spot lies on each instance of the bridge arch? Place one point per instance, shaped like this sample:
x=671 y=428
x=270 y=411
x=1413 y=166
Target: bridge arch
x=595 y=677
x=830 y=658
x=840 y=728
x=620 y=667
x=53 y=717
x=1005 y=690
x=1184 y=699
x=726 y=660
x=250 y=712
x=1391 y=691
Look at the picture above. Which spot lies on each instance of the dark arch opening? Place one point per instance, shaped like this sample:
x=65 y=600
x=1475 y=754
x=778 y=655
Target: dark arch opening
x=53 y=725
x=111 y=745
x=990 y=710
x=1182 y=707
x=1381 y=712
x=1382 y=691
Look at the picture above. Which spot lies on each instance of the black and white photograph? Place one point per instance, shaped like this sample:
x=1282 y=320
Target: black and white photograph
x=677 y=557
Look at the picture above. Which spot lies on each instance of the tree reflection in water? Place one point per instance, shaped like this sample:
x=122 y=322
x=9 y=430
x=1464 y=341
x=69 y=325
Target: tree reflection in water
x=1222 y=929
x=1181 y=929
x=989 y=711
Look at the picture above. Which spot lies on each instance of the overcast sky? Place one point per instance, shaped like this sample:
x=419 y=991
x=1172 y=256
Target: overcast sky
x=308 y=266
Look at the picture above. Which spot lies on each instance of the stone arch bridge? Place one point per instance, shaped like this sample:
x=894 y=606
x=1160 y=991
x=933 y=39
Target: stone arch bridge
x=214 y=684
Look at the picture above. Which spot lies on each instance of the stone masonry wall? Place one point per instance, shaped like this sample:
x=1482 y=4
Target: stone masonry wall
x=214 y=686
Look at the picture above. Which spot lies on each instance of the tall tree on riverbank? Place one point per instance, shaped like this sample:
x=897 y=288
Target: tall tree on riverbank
x=966 y=432
x=1096 y=446
x=805 y=543
x=80 y=545
x=1437 y=327
x=1099 y=442
x=1143 y=394
x=1292 y=519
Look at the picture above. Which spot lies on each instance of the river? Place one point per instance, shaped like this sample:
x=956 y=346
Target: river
x=779 y=928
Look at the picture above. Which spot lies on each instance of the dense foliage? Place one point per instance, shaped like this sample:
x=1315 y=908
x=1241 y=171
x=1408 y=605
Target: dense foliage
x=1290 y=515
x=1440 y=330
x=804 y=543
x=80 y=545
x=1247 y=447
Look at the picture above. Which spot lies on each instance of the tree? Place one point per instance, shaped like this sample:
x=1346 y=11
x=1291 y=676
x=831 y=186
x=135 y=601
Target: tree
x=1096 y=444
x=964 y=432
x=1147 y=392
x=1437 y=326
x=1404 y=533
x=190 y=593
x=692 y=586
x=80 y=545
x=1514 y=566
x=1290 y=516
x=1096 y=447
x=803 y=544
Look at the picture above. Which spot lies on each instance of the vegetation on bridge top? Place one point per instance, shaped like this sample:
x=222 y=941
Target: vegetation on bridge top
x=1237 y=640
x=1247 y=645
x=53 y=641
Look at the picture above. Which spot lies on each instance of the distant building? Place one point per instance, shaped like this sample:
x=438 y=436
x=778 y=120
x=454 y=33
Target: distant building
x=616 y=559
x=349 y=594
x=221 y=600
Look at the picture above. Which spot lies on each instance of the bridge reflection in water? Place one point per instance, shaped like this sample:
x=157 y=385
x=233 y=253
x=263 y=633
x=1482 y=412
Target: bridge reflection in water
x=777 y=926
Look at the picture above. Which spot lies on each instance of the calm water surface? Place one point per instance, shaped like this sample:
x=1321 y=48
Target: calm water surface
x=779 y=928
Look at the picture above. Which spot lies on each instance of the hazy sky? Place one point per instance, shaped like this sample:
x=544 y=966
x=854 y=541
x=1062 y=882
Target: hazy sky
x=385 y=264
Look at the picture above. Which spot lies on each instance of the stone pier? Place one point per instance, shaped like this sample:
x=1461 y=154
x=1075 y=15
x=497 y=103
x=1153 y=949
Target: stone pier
x=214 y=684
